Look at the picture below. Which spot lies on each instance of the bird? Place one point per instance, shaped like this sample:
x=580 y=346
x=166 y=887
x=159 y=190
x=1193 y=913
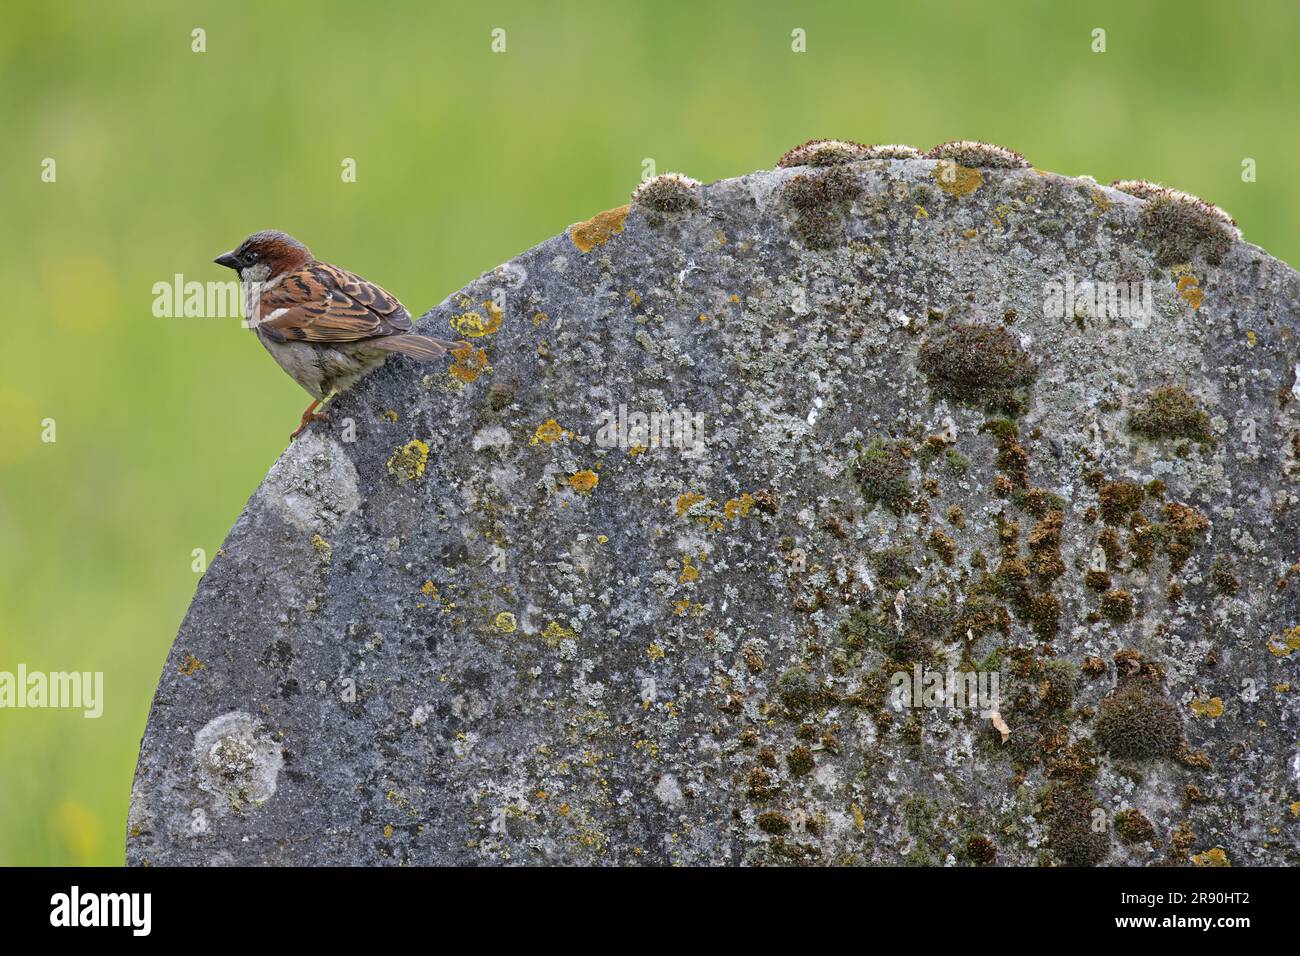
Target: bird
x=327 y=327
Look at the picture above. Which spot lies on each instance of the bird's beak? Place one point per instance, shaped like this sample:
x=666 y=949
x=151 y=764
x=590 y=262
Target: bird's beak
x=228 y=260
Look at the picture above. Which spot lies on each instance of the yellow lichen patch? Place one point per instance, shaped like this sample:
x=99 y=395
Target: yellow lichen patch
x=634 y=296
x=654 y=652
x=688 y=500
x=407 y=463
x=472 y=325
x=1251 y=339
x=1189 y=287
x=955 y=179
x=1290 y=642
x=602 y=539
x=681 y=607
x=190 y=665
x=1215 y=857
x=429 y=589
x=468 y=363
x=858 y=818
x=555 y=632
x=504 y=623
x=598 y=229
x=703 y=317
x=1295 y=809
x=970 y=233
x=584 y=481
x=389 y=414
x=549 y=432
x=689 y=571
x=738 y=507
x=540 y=318
x=1207 y=707
x=634 y=450
x=920 y=213
x=322 y=547
x=1102 y=203
x=388 y=831
x=734 y=299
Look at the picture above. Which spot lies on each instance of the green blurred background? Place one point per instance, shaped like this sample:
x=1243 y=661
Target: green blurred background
x=167 y=157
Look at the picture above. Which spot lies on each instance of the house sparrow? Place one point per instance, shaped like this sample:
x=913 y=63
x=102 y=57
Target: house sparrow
x=326 y=327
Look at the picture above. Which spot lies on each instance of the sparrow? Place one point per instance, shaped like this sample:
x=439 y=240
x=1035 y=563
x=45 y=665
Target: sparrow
x=325 y=326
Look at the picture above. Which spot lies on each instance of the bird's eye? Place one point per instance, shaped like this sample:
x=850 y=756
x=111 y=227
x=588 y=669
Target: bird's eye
x=248 y=258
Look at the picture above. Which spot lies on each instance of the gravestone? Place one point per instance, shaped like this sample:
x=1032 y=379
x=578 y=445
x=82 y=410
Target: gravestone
x=873 y=510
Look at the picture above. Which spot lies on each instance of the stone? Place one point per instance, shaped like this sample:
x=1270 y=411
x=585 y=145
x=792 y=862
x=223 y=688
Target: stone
x=574 y=596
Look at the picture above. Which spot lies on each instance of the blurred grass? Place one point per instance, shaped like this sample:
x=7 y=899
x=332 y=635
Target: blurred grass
x=465 y=158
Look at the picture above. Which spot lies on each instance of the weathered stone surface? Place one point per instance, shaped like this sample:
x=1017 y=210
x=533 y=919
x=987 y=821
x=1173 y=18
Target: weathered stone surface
x=564 y=652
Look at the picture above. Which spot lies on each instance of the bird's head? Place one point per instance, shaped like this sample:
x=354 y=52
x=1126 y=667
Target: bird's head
x=265 y=256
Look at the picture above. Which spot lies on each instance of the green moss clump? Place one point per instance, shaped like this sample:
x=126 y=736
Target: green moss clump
x=981 y=851
x=1117 y=605
x=1012 y=582
x=1171 y=412
x=943 y=545
x=1133 y=827
x=1143 y=540
x=773 y=822
x=1097 y=580
x=819 y=200
x=895 y=566
x=893 y=151
x=885 y=474
x=1119 y=499
x=800 y=761
x=1069 y=809
x=976 y=363
x=821 y=190
x=977 y=155
x=1186 y=528
x=1045 y=546
x=668 y=192
x=866 y=627
x=823 y=152
x=798 y=691
x=980 y=615
x=1039 y=501
x=1179 y=228
x=1137 y=722
x=955 y=463
x=1060 y=677
x=1223 y=575
x=1044 y=615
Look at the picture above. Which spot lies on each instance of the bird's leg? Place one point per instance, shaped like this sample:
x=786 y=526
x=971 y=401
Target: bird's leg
x=312 y=415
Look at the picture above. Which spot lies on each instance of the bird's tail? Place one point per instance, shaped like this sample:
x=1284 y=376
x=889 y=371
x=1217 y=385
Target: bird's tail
x=423 y=347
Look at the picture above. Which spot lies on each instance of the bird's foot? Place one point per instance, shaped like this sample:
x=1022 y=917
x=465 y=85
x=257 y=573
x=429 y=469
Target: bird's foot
x=309 y=416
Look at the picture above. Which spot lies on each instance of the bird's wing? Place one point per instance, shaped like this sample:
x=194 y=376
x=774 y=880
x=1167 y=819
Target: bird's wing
x=323 y=303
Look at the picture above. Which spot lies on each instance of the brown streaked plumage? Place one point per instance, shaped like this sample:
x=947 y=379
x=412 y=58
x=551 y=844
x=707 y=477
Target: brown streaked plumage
x=325 y=326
